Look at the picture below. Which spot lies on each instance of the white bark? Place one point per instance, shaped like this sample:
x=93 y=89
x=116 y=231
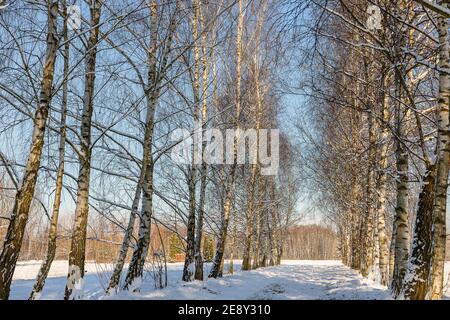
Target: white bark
x=443 y=157
x=74 y=286
x=24 y=196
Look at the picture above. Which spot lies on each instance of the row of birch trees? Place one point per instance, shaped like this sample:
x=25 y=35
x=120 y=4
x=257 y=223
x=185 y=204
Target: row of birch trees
x=378 y=136
x=90 y=92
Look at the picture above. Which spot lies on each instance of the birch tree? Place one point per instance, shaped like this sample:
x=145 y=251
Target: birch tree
x=155 y=75
x=229 y=185
x=24 y=196
x=439 y=233
x=53 y=232
x=74 y=285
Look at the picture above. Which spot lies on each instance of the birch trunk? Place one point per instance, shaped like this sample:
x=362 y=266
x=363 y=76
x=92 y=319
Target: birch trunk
x=118 y=267
x=368 y=240
x=256 y=236
x=136 y=267
x=24 y=196
x=204 y=169
x=135 y=272
x=247 y=261
x=229 y=188
x=355 y=226
x=392 y=256
x=367 y=234
x=257 y=222
x=272 y=225
x=383 y=165
x=217 y=266
x=401 y=221
x=74 y=286
x=383 y=245
x=199 y=227
x=133 y=279
x=424 y=277
x=443 y=155
x=233 y=243
x=53 y=232
x=415 y=284
x=188 y=270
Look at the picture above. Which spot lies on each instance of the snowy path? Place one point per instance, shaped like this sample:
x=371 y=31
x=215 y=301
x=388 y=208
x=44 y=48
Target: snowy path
x=292 y=280
x=324 y=280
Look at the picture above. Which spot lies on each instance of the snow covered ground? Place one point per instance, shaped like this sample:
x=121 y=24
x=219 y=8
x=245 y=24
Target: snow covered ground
x=294 y=279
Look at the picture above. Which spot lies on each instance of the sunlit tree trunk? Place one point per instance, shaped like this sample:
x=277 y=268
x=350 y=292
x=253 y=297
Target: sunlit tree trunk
x=126 y=242
x=53 y=232
x=367 y=233
x=233 y=242
x=383 y=166
x=257 y=218
x=355 y=232
x=272 y=225
x=24 y=196
x=229 y=188
x=247 y=261
x=204 y=169
x=136 y=267
x=217 y=267
x=249 y=218
x=415 y=284
x=74 y=286
x=188 y=270
x=439 y=231
x=151 y=91
x=401 y=220
x=155 y=74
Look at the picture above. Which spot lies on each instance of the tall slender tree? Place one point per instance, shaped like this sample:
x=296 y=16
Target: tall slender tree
x=24 y=196
x=74 y=285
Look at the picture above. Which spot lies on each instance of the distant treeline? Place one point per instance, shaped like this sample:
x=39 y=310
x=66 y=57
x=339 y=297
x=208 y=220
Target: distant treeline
x=305 y=242
x=311 y=242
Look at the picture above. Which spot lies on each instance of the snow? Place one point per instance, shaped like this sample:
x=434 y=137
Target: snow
x=28 y=270
x=293 y=279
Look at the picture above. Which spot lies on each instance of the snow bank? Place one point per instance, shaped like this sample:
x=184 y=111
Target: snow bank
x=293 y=279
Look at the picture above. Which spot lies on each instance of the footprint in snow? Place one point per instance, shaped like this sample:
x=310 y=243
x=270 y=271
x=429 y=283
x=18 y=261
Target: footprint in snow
x=210 y=291
x=269 y=291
